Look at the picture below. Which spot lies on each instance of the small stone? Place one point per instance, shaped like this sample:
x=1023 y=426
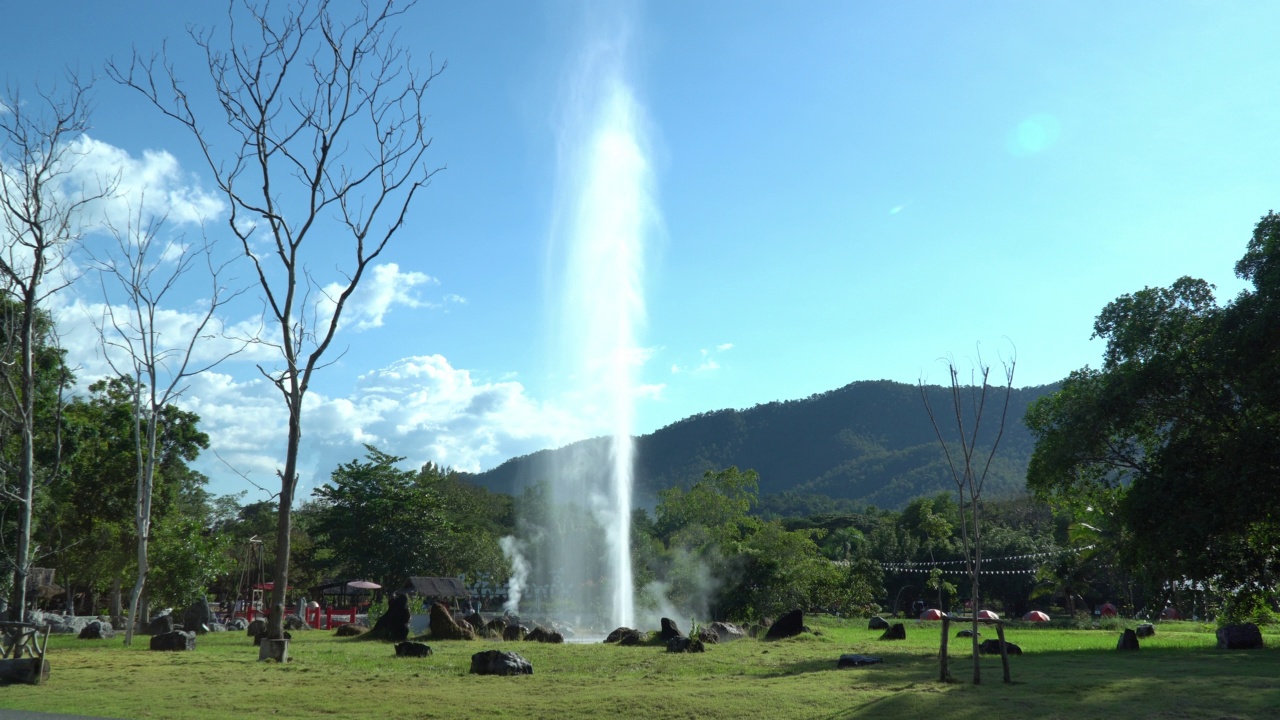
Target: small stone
x=1239 y=637
x=177 y=640
x=1145 y=630
x=992 y=647
x=413 y=649
x=848 y=661
x=496 y=662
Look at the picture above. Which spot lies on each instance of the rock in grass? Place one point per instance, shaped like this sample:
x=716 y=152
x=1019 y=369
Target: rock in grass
x=413 y=649
x=515 y=633
x=444 y=627
x=1145 y=630
x=967 y=632
x=97 y=630
x=349 y=630
x=877 y=623
x=496 y=662
x=617 y=634
x=393 y=624
x=1239 y=637
x=897 y=631
x=727 y=632
x=685 y=645
x=255 y=628
x=707 y=636
x=992 y=647
x=669 y=630
x=174 y=641
x=788 y=625
x=635 y=637
x=848 y=661
x=1128 y=641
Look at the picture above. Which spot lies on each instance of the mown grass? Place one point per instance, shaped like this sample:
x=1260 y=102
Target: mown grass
x=1063 y=674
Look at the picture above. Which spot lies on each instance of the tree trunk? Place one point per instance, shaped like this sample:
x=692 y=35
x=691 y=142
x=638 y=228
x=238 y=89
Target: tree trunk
x=22 y=562
x=284 y=525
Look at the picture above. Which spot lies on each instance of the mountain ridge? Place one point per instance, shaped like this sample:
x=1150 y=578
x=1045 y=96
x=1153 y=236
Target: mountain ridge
x=869 y=441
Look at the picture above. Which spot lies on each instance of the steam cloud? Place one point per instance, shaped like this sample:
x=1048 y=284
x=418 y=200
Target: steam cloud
x=511 y=549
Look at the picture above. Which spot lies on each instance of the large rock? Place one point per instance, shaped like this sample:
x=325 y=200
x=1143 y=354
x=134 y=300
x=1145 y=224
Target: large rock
x=161 y=625
x=496 y=662
x=788 y=625
x=413 y=649
x=237 y=624
x=97 y=630
x=616 y=635
x=444 y=627
x=198 y=617
x=897 y=631
x=635 y=637
x=1145 y=630
x=669 y=630
x=515 y=633
x=349 y=630
x=394 y=623
x=176 y=640
x=685 y=645
x=706 y=635
x=1128 y=641
x=966 y=633
x=543 y=635
x=476 y=620
x=727 y=632
x=1239 y=637
x=295 y=622
x=256 y=628
x=848 y=661
x=625 y=636
x=877 y=623
x=494 y=628
x=992 y=647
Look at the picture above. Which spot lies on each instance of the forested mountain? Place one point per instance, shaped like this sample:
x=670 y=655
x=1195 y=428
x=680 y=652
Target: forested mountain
x=869 y=442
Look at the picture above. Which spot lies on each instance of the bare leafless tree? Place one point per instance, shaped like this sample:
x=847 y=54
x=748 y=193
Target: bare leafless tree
x=967 y=464
x=146 y=267
x=42 y=209
x=327 y=144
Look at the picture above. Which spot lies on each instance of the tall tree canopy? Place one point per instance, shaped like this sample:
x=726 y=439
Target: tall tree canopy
x=1179 y=426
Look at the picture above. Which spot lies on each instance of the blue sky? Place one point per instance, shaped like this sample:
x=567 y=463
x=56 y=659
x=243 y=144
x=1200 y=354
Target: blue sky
x=845 y=191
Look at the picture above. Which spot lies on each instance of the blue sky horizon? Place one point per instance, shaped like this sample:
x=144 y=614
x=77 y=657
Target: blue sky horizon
x=842 y=191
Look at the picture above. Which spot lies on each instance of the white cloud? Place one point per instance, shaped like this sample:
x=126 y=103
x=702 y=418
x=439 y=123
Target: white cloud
x=420 y=407
x=385 y=288
x=724 y=346
x=154 y=183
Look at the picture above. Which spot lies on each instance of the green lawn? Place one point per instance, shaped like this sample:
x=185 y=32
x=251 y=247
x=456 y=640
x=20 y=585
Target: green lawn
x=1063 y=674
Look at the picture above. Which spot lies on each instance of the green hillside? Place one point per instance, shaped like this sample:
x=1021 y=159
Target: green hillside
x=867 y=442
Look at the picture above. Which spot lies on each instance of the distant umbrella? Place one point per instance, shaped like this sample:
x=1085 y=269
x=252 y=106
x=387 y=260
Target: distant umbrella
x=364 y=585
x=1108 y=610
x=932 y=614
x=1036 y=616
x=987 y=615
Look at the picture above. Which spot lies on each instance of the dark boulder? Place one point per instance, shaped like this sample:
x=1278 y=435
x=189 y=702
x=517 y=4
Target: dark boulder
x=394 y=623
x=496 y=662
x=444 y=627
x=176 y=640
x=896 y=631
x=198 y=617
x=967 y=632
x=756 y=630
x=685 y=645
x=493 y=628
x=257 y=627
x=633 y=638
x=412 y=649
x=616 y=635
x=788 y=625
x=476 y=621
x=669 y=630
x=1128 y=641
x=877 y=623
x=848 y=661
x=1145 y=630
x=992 y=647
x=515 y=633
x=555 y=637
x=727 y=632
x=237 y=624
x=97 y=630
x=707 y=636
x=1239 y=637
x=161 y=625
x=349 y=630
x=295 y=622
x=543 y=635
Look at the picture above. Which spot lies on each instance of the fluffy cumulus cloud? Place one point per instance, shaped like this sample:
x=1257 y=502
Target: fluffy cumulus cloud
x=384 y=288
x=154 y=184
x=420 y=407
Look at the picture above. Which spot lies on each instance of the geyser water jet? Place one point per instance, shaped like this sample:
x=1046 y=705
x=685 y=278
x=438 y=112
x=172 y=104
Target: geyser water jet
x=605 y=211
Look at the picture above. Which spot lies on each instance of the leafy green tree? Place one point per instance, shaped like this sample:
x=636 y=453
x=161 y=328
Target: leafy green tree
x=1177 y=429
